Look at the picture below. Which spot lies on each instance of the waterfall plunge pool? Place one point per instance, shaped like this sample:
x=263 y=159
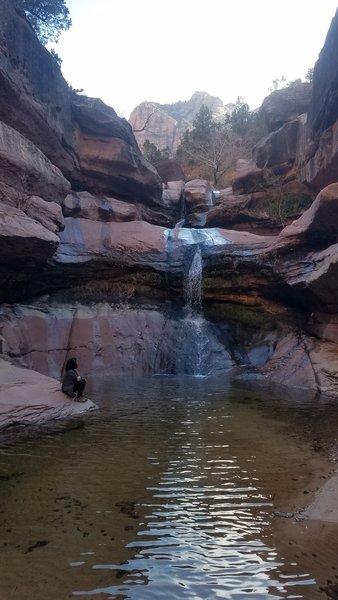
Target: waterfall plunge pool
x=170 y=490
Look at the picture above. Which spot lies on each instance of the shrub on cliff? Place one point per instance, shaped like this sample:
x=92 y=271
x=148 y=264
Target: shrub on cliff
x=47 y=17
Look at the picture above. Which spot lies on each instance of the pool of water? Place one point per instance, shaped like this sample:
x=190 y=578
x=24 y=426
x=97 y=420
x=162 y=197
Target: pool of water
x=170 y=491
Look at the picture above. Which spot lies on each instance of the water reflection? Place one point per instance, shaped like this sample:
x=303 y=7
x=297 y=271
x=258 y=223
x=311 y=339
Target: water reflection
x=167 y=492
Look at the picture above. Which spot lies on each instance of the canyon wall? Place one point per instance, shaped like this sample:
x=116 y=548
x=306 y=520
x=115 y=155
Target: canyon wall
x=96 y=258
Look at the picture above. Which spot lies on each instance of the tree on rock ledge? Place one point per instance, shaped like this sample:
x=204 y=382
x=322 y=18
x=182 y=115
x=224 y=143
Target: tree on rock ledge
x=47 y=17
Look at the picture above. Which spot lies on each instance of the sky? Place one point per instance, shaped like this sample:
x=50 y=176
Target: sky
x=130 y=51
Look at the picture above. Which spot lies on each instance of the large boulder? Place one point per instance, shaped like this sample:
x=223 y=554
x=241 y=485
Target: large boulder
x=285 y=105
x=22 y=239
x=318 y=166
x=277 y=149
x=109 y=158
x=248 y=177
x=245 y=212
x=317 y=227
x=170 y=170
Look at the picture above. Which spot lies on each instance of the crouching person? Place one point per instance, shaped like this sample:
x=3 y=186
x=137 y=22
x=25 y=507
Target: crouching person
x=73 y=384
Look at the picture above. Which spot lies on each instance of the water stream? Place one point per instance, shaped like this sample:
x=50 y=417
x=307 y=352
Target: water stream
x=169 y=491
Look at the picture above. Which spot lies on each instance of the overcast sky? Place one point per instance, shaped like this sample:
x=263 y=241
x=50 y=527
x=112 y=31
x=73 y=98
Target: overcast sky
x=129 y=51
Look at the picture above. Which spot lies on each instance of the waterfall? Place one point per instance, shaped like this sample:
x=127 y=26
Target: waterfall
x=198 y=351
x=193 y=283
x=194 y=322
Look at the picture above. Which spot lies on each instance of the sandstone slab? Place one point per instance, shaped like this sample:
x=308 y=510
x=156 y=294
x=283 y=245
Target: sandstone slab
x=28 y=397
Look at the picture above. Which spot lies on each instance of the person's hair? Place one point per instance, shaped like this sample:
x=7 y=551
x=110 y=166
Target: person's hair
x=71 y=364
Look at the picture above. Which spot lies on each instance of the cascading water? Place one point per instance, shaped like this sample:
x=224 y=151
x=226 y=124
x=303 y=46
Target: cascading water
x=197 y=349
x=194 y=324
x=193 y=283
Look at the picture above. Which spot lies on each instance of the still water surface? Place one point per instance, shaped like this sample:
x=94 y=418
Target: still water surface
x=168 y=491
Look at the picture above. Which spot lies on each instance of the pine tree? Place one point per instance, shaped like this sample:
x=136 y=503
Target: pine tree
x=47 y=17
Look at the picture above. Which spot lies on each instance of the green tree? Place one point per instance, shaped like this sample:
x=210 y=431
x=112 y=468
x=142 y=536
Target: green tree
x=214 y=146
x=203 y=125
x=210 y=144
x=152 y=153
x=47 y=17
x=309 y=75
x=241 y=117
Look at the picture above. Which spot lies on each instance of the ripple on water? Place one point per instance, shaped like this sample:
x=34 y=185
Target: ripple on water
x=167 y=492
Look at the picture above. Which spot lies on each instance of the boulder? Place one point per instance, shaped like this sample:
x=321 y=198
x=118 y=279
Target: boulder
x=170 y=170
x=277 y=149
x=248 y=177
x=48 y=214
x=110 y=160
x=248 y=212
x=285 y=105
x=321 y=167
x=304 y=362
x=22 y=239
x=198 y=195
x=173 y=193
x=317 y=227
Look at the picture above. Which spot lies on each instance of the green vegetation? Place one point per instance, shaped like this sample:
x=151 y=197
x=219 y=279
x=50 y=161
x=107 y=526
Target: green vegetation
x=152 y=153
x=47 y=17
x=213 y=146
x=288 y=206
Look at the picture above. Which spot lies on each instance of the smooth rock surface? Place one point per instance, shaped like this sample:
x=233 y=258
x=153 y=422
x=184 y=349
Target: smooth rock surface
x=28 y=397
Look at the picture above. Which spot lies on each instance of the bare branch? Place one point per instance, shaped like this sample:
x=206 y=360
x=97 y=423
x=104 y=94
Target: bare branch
x=146 y=122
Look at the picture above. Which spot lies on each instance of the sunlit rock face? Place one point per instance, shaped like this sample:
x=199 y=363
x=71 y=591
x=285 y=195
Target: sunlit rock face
x=84 y=138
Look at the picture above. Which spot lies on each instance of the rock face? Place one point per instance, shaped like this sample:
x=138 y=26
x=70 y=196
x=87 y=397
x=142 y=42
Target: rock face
x=164 y=124
x=101 y=258
x=323 y=109
x=94 y=149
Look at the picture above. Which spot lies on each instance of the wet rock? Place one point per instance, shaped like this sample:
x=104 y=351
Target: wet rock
x=283 y=514
x=37 y=544
x=87 y=206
